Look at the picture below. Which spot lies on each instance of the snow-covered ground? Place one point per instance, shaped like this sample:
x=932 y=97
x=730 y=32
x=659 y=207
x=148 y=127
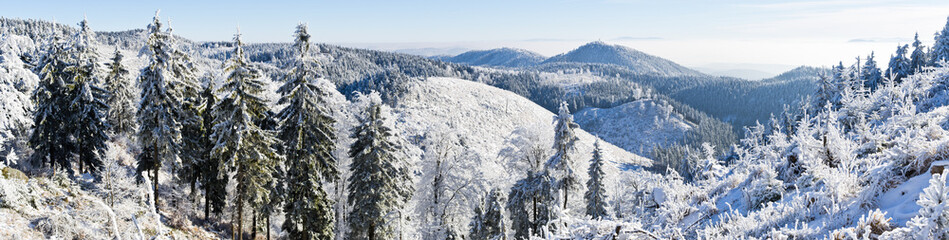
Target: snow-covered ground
x=652 y=124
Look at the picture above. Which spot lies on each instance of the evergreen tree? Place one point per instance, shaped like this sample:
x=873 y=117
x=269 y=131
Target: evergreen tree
x=241 y=144
x=488 y=222
x=306 y=129
x=530 y=204
x=50 y=139
x=872 y=77
x=940 y=50
x=87 y=101
x=560 y=164
x=122 y=100
x=918 y=59
x=162 y=81
x=380 y=182
x=212 y=176
x=192 y=136
x=899 y=65
x=596 y=192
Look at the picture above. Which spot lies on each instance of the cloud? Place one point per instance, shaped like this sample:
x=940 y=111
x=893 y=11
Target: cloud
x=881 y=40
x=636 y=38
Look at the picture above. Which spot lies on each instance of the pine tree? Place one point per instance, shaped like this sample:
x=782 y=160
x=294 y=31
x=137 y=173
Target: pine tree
x=872 y=77
x=192 y=137
x=899 y=65
x=241 y=144
x=50 y=139
x=918 y=59
x=162 y=81
x=380 y=182
x=940 y=50
x=561 y=165
x=306 y=129
x=530 y=204
x=488 y=222
x=122 y=100
x=596 y=192
x=87 y=101
x=212 y=176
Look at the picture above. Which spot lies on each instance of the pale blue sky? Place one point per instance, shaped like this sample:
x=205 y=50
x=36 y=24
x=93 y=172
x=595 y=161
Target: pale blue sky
x=694 y=33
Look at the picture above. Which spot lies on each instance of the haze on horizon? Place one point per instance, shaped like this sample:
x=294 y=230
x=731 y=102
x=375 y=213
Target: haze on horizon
x=733 y=34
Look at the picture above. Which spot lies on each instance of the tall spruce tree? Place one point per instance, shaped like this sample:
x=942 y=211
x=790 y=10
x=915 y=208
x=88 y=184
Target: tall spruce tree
x=240 y=143
x=488 y=222
x=560 y=165
x=121 y=99
x=213 y=176
x=596 y=191
x=87 y=101
x=940 y=50
x=161 y=81
x=899 y=65
x=918 y=59
x=306 y=129
x=50 y=138
x=530 y=204
x=872 y=77
x=380 y=182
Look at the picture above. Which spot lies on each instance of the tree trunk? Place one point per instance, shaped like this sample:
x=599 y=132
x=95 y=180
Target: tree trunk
x=372 y=231
x=253 y=225
x=565 y=194
x=155 y=187
x=207 y=201
x=268 y=227
x=240 y=219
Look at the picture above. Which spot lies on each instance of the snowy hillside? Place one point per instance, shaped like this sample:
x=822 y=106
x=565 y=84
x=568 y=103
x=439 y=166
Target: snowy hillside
x=488 y=117
x=501 y=57
x=656 y=123
x=601 y=52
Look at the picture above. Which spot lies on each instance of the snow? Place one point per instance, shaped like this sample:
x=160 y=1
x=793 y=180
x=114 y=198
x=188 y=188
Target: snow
x=637 y=126
x=899 y=203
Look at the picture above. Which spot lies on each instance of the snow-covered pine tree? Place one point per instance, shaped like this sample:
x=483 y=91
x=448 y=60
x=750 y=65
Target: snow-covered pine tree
x=899 y=65
x=596 y=191
x=161 y=81
x=918 y=59
x=213 y=177
x=240 y=143
x=872 y=77
x=121 y=99
x=531 y=204
x=488 y=222
x=87 y=101
x=309 y=139
x=380 y=182
x=940 y=50
x=192 y=136
x=560 y=165
x=50 y=138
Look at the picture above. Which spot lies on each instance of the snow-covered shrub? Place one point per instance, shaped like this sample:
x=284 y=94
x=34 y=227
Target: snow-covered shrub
x=871 y=226
x=932 y=221
x=764 y=187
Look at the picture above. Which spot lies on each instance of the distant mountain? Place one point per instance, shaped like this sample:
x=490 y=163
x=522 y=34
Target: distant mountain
x=749 y=74
x=601 y=52
x=500 y=57
x=800 y=73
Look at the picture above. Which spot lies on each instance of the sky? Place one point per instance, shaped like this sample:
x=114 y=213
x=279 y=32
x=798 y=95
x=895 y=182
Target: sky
x=726 y=34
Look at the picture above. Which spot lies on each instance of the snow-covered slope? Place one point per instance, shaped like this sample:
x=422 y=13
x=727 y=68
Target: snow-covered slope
x=601 y=52
x=490 y=118
x=652 y=124
x=501 y=57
